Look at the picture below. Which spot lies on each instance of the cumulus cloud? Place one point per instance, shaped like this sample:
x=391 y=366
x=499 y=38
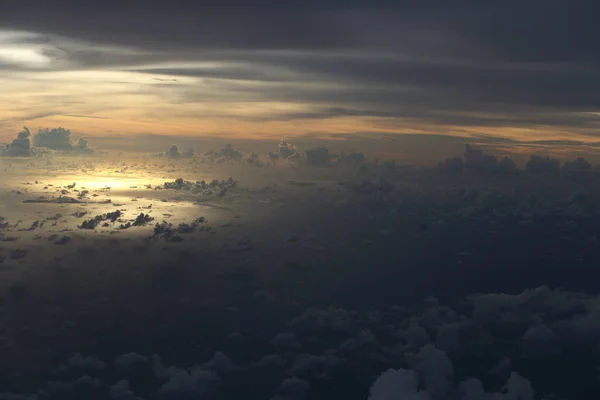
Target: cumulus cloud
x=354 y=158
x=315 y=366
x=59 y=139
x=227 y=153
x=397 y=384
x=314 y=319
x=271 y=360
x=83 y=386
x=364 y=340
x=287 y=340
x=19 y=147
x=90 y=363
x=128 y=363
x=214 y=187
x=502 y=369
x=122 y=391
x=189 y=384
x=452 y=165
x=415 y=335
x=292 y=388
x=220 y=363
x=448 y=338
x=543 y=165
x=285 y=150
x=318 y=156
x=13 y=396
x=540 y=341
x=27 y=144
x=174 y=152
x=433 y=371
x=576 y=167
x=476 y=160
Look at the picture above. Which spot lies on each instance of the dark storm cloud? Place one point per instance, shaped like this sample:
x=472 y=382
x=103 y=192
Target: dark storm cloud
x=567 y=85
x=512 y=63
x=555 y=30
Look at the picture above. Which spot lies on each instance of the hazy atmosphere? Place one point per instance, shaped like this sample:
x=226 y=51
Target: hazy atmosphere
x=321 y=200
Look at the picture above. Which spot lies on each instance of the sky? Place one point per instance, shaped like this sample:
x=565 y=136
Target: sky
x=522 y=70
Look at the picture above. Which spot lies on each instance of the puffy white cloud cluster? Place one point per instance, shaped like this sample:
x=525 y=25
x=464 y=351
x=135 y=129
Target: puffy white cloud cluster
x=288 y=340
x=19 y=147
x=171 y=233
x=226 y=153
x=87 y=377
x=577 y=167
x=175 y=153
x=27 y=144
x=543 y=165
x=444 y=354
x=452 y=165
x=318 y=156
x=431 y=378
x=92 y=223
x=256 y=160
x=315 y=366
x=333 y=318
x=292 y=389
x=285 y=151
x=55 y=139
x=214 y=187
x=477 y=161
x=122 y=391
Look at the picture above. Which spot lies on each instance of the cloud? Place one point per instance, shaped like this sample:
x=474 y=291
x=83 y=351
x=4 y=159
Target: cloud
x=543 y=165
x=452 y=165
x=315 y=366
x=26 y=144
x=540 y=341
x=318 y=156
x=86 y=363
x=405 y=64
x=287 y=340
x=400 y=383
x=122 y=391
x=126 y=363
x=19 y=147
x=434 y=372
x=476 y=160
x=220 y=363
x=415 y=336
x=314 y=319
x=364 y=340
x=59 y=139
x=577 y=166
x=83 y=386
x=293 y=388
x=188 y=385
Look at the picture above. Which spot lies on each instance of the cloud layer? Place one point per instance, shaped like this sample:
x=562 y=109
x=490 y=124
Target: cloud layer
x=339 y=66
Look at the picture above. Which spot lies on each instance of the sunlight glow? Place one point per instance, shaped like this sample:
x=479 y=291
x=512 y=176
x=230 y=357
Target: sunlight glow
x=23 y=56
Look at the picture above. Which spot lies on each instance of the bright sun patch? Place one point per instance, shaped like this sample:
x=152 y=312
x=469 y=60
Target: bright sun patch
x=23 y=56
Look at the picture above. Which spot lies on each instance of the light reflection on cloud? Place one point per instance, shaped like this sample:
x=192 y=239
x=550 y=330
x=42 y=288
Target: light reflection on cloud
x=29 y=57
